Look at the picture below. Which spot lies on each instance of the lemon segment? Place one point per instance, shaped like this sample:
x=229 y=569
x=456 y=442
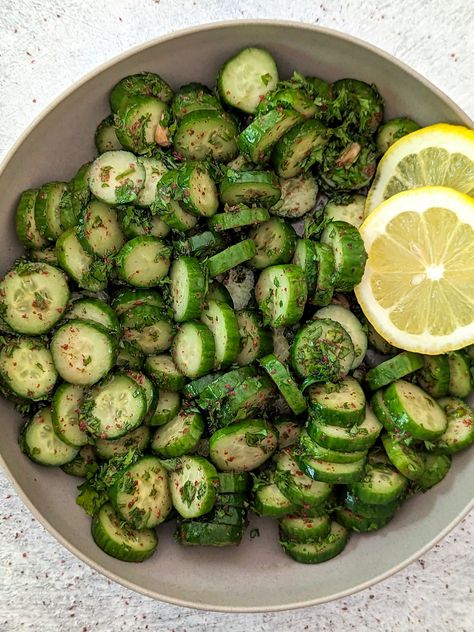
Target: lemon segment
x=438 y=155
x=418 y=285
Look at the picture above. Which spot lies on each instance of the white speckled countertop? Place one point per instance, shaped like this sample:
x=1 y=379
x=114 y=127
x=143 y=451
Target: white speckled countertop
x=46 y=45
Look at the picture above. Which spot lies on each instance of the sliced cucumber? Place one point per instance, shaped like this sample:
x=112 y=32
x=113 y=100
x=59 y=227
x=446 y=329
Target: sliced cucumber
x=349 y=254
x=149 y=389
x=233 y=482
x=65 y=415
x=459 y=433
x=105 y=136
x=323 y=350
x=306 y=259
x=162 y=370
x=302 y=529
x=296 y=485
x=325 y=275
x=407 y=460
x=26 y=367
x=198 y=189
x=48 y=209
x=340 y=404
x=100 y=232
x=168 y=203
x=155 y=168
x=250 y=187
x=145 y=84
x=275 y=243
x=199 y=533
x=460 y=379
x=231 y=257
x=255 y=340
x=222 y=385
x=316 y=451
x=336 y=473
x=270 y=502
x=188 y=288
x=167 y=407
x=289 y=432
x=352 y=325
x=383 y=414
x=393 y=130
x=243 y=446
x=200 y=245
x=193 y=485
x=83 y=352
x=257 y=140
x=397 y=367
x=284 y=382
x=84 y=463
x=179 y=436
x=246 y=78
x=281 y=294
x=382 y=485
x=222 y=322
x=119 y=540
x=436 y=468
x=206 y=134
x=349 y=209
x=367 y=510
x=26 y=229
x=148 y=328
x=143 y=261
x=128 y=298
x=360 y=437
x=41 y=444
x=238 y=217
x=321 y=550
x=194 y=349
x=193 y=389
x=247 y=399
x=414 y=411
x=140 y=124
x=76 y=198
x=193 y=96
x=361 y=524
x=33 y=297
x=88 y=271
x=298 y=196
x=116 y=177
x=300 y=148
x=114 y=407
x=137 y=439
x=434 y=376
x=97 y=311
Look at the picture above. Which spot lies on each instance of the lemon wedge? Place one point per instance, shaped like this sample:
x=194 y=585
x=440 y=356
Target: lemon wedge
x=418 y=285
x=436 y=155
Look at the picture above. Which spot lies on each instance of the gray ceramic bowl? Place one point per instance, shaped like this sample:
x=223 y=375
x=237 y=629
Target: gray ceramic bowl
x=256 y=576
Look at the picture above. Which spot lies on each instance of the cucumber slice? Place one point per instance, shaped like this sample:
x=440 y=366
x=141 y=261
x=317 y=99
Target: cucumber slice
x=198 y=189
x=84 y=463
x=223 y=324
x=48 y=255
x=306 y=259
x=206 y=134
x=248 y=399
x=255 y=340
x=89 y=272
x=119 y=540
x=129 y=356
x=434 y=376
x=414 y=411
x=83 y=352
x=27 y=369
x=275 y=243
x=116 y=177
x=316 y=451
x=383 y=414
x=145 y=84
x=233 y=482
x=41 y=444
x=270 y=502
x=105 y=136
x=228 y=515
x=147 y=327
x=361 y=524
x=245 y=78
x=164 y=372
x=296 y=485
x=323 y=350
x=284 y=382
x=97 y=311
x=289 y=432
x=392 y=130
x=154 y=171
x=290 y=97
x=436 y=468
x=367 y=510
x=319 y=551
x=281 y=294
x=188 y=288
x=382 y=485
x=231 y=257
x=149 y=389
x=325 y=274
x=397 y=367
x=76 y=198
x=360 y=437
x=407 y=460
x=352 y=325
x=298 y=196
x=336 y=473
x=459 y=433
x=114 y=407
x=126 y=299
x=140 y=124
x=179 y=436
x=137 y=439
x=25 y=222
x=460 y=379
x=143 y=261
x=238 y=217
x=65 y=415
x=349 y=254
x=301 y=529
x=377 y=342
x=340 y=404
x=208 y=534
x=168 y=203
x=140 y=494
x=193 y=389
x=33 y=297
x=167 y=407
x=200 y=245
x=100 y=232
x=249 y=187
x=48 y=209
x=243 y=446
x=194 y=349
x=300 y=148
x=193 y=96
x=193 y=485
x=223 y=385
x=350 y=209
x=257 y=140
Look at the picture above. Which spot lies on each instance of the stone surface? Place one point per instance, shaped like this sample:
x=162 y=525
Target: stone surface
x=45 y=46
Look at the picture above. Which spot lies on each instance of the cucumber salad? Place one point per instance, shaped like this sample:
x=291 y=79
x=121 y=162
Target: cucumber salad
x=182 y=331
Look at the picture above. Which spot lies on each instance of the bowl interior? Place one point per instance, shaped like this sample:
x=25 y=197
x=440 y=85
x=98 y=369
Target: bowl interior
x=256 y=575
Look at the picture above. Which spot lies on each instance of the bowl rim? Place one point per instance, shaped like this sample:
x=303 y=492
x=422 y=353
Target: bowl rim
x=211 y=26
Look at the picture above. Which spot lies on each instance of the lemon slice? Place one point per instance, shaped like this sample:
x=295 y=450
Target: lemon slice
x=437 y=155
x=418 y=285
